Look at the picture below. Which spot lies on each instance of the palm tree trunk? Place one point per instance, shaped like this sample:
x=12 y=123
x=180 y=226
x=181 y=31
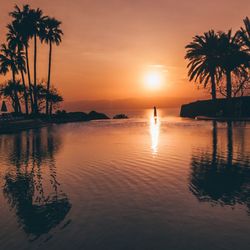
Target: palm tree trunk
x=25 y=94
x=17 y=103
x=49 y=74
x=30 y=86
x=50 y=110
x=35 y=85
x=215 y=141
x=229 y=84
x=229 y=144
x=213 y=86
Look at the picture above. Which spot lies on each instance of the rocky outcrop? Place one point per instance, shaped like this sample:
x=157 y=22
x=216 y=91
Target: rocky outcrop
x=120 y=116
x=62 y=117
x=235 y=107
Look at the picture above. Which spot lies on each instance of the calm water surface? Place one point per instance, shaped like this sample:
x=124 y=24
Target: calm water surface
x=132 y=184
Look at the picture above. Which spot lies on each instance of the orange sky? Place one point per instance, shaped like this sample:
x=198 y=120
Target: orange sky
x=108 y=44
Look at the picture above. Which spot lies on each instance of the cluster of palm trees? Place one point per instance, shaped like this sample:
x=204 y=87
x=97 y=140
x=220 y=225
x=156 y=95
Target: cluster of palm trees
x=221 y=61
x=28 y=26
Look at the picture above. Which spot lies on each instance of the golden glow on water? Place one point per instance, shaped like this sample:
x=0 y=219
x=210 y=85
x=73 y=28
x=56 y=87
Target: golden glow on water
x=155 y=132
x=66 y=183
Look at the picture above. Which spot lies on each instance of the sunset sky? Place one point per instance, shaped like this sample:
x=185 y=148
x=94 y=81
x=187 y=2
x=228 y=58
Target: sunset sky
x=111 y=46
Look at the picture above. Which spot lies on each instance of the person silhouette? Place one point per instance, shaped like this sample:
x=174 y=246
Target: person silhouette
x=155 y=112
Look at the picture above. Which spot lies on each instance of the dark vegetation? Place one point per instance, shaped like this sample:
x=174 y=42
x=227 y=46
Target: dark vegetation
x=220 y=61
x=26 y=94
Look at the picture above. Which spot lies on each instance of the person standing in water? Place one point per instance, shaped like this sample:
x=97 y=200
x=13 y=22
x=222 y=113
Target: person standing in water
x=155 y=112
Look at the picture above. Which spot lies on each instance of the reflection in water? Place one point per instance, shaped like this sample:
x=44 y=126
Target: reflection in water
x=155 y=132
x=218 y=176
x=30 y=185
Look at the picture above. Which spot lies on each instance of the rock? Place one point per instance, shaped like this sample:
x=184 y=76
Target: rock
x=93 y=115
x=120 y=116
x=63 y=117
x=234 y=107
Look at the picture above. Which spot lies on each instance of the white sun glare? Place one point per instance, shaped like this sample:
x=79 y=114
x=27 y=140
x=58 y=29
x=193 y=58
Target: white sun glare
x=154 y=77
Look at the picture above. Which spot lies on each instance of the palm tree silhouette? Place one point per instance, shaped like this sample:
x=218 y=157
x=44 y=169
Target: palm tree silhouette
x=232 y=58
x=35 y=27
x=31 y=27
x=15 y=42
x=52 y=35
x=8 y=62
x=20 y=24
x=202 y=54
x=245 y=34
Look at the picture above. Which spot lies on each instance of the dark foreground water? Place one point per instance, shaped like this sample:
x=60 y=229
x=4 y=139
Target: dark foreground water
x=132 y=184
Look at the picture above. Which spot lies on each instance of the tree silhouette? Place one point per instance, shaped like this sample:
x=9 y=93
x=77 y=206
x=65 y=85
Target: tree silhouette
x=232 y=58
x=35 y=21
x=202 y=53
x=16 y=44
x=245 y=34
x=30 y=24
x=52 y=35
x=8 y=62
x=21 y=23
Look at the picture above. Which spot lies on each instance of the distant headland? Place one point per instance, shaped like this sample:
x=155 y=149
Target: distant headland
x=237 y=108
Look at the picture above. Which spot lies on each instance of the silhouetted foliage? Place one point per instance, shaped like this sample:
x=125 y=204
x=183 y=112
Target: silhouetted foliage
x=223 y=59
x=202 y=54
x=52 y=34
x=28 y=25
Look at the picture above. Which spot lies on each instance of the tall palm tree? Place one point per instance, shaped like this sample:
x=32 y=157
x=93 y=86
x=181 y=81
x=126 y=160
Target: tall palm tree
x=8 y=62
x=22 y=69
x=232 y=58
x=31 y=24
x=15 y=43
x=35 y=19
x=21 y=26
x=203 y=59
x=52 y=35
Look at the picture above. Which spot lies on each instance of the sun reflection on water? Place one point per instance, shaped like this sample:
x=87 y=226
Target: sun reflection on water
x=155 y=132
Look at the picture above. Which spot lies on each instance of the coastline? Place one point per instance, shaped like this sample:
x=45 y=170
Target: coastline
x=223 y=119
x=25 y=123
x=234 y=109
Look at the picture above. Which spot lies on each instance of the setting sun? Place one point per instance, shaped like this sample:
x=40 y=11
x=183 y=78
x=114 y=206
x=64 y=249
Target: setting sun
x=154 y=78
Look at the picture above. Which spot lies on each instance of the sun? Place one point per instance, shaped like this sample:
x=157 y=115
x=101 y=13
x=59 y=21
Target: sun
x=154 y=78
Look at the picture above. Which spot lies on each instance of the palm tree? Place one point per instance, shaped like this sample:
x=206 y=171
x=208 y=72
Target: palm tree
x=203 y=65
x=31 y=25
x=245 y=34
x=52 y=35
x=15 y=43
x=35 y=19
x=232 y=58
x=21 y=27
x=8 y=62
